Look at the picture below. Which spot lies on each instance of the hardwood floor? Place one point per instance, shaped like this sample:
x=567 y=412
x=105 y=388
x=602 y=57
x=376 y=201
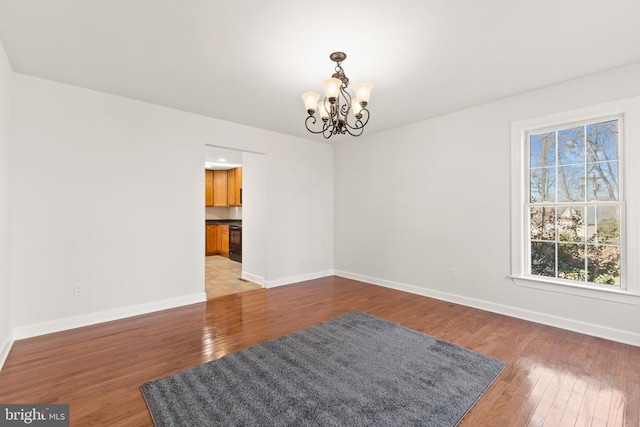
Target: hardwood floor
x=554 y=377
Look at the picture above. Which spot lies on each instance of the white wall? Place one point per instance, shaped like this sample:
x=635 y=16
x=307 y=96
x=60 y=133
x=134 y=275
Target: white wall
x=109 y=194
x=5 y=138
x=255 y=227
x=413 y=202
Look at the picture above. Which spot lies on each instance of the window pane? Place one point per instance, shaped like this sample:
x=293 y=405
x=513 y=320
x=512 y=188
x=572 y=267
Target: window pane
x=603 y=264
x=543 y=223
x=542 y=150
x=571 y=224
x=543 y=259
x=603 y=225
x=571 y=259
x=591 y=224
x=602 y=183
x=571 y=146
x=571 y=184
x=602 y=141
x=542 y=185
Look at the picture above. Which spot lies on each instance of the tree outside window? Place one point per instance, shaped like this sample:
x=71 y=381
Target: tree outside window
x=574 y=203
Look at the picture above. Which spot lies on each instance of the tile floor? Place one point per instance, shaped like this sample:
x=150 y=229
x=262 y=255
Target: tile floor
x=222 y=277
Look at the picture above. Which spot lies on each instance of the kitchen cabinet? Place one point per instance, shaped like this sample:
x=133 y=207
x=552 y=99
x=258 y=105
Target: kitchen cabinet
x=223 y=188
x=208 y=188
x=220 y=191
x=224 y=240
x=213 y=240
x=234 y=186
x=217 y=240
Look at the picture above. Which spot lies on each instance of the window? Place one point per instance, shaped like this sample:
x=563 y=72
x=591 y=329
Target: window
x=574 y=203
x=569 y=201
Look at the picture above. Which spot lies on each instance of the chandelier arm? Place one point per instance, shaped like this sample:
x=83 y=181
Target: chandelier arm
x=348 y=130
x=328 y=130
x=347 y=97
x=355 y=130
x=338 y=118
x=314 y=120
x=335 y=112
x=344 y=110
x=360 y=124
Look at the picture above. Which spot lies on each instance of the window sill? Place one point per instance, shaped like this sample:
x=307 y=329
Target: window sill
x=579 y=290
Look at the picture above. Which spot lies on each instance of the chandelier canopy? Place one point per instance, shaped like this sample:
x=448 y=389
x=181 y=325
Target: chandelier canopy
x=335 y=108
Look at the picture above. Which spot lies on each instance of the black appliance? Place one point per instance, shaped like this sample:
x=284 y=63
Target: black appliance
x=235 y=243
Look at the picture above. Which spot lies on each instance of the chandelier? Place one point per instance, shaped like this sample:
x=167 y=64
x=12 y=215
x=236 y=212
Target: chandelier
x=334 y=109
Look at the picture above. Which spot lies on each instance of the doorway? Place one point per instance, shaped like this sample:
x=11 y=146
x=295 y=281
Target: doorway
x=224 y=204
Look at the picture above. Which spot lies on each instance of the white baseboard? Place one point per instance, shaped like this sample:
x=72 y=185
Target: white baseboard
x=296 y=279
x=619 y=335
x=253 y=278
x=72 y=322
x=6 y=348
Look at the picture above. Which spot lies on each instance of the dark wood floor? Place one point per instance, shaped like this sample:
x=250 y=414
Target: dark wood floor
x=554 y=377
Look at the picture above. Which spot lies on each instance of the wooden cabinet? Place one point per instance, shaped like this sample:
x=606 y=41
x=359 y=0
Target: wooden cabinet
x=208 y=188
x=213 y=240
x=224 y=240
x=223 y=188
x=217 y=240
x=220 y=192
x=231 y=187
x=234 y=186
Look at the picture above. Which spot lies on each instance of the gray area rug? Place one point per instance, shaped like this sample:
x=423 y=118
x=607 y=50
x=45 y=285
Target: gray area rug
x=353 y=370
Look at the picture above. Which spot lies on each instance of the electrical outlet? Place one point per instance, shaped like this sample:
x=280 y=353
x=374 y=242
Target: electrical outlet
x=454 y=273
x=78 y=290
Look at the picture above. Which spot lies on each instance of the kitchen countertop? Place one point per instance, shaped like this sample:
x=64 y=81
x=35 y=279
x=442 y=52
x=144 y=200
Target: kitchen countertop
x=223 y=221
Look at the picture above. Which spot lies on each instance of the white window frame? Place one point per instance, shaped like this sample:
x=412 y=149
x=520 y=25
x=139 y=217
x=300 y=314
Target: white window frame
x=628 y=112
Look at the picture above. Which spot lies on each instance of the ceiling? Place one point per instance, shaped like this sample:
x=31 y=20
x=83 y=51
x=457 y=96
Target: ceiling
x=248 y=61
x=216 y=158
